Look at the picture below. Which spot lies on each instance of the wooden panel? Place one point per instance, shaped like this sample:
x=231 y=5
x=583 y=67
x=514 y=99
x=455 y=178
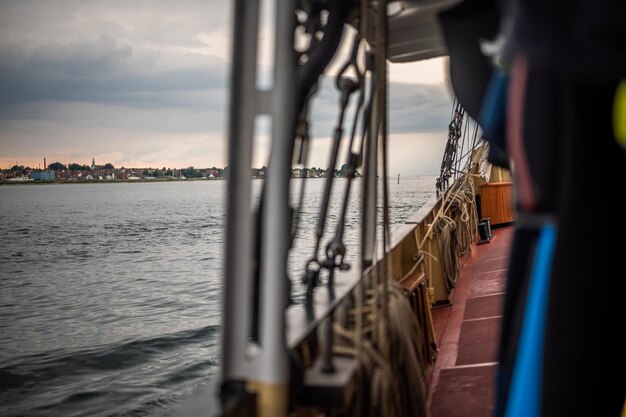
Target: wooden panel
x=496 y=201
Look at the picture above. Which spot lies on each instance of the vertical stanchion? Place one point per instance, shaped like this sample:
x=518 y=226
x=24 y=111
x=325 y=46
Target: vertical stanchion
x=238 y=253
x=272 y=378
x=370 y=171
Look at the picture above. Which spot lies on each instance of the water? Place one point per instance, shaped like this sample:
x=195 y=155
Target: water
x=110 y=293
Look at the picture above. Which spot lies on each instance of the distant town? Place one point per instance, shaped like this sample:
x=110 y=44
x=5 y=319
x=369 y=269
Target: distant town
x=77 y=173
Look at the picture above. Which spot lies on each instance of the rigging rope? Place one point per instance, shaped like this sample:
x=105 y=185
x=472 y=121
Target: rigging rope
x=383 y=322
x=381 y=327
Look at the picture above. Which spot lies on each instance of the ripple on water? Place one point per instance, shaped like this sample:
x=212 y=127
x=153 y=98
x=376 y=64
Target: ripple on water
x=110 y=299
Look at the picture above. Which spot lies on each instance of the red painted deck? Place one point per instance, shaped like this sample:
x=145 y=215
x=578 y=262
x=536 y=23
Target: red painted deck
x=463 y=377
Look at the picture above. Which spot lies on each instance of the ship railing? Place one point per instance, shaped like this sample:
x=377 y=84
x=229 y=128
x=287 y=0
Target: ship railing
x=417 y=259
x=423 y=260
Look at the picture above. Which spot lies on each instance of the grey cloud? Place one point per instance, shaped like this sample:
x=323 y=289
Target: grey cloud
x=103 y=71
x=108 y=72
x=157 y=21
x=119 y=64
x=85 y=77
x=89 y=115
x=412 y=108
x=117 y=52
x=419 y=108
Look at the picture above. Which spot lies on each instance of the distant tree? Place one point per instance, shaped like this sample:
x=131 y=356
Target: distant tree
x=17 y=168
x=168 y=172
x=344 y=170
x=75 y=167
x=191 y=172
x=146 y=172
x=108 y=166
x=57 y=166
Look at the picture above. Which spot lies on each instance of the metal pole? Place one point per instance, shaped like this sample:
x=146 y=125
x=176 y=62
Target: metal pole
x=272 y=380
x=237 y=272
x=369 y=215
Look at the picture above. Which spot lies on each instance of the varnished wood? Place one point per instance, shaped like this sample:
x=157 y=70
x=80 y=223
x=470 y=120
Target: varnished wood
x=496 y=201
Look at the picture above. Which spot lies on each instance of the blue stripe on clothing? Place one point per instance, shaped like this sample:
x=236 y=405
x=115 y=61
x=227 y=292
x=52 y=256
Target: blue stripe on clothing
x=525 y=390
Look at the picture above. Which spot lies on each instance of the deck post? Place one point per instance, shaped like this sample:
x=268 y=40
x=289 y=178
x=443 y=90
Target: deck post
x=271 y=384
x=237 y=288
x=370 y=184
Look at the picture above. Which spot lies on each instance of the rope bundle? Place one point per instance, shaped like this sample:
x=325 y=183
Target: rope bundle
x=389 y=385
x=457 y=229
x=381 y=333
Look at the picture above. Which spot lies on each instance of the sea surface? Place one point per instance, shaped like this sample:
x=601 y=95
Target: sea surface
x=110 y=293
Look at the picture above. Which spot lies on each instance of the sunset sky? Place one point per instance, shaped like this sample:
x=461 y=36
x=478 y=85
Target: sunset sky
x=145 y=84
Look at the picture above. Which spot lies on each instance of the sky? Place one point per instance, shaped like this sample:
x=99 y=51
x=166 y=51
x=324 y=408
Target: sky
x=144 y=83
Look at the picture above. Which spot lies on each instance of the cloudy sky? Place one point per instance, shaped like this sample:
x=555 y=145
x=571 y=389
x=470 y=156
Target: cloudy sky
x=144 y=83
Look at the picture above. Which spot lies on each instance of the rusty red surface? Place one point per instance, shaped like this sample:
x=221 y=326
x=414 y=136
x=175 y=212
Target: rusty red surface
x=486 y=306
x=462 y=378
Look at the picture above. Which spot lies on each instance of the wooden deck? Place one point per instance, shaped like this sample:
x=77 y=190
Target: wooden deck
x=463 y=377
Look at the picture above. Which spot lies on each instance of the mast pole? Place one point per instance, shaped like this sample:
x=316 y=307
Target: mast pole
x=272 y=384
x=237 y=288
x=370 y=181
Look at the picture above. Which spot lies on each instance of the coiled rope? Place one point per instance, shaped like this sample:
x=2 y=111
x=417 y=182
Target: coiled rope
x=382 y=329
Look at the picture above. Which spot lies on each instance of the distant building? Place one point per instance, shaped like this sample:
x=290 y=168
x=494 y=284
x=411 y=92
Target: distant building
x=42 y=175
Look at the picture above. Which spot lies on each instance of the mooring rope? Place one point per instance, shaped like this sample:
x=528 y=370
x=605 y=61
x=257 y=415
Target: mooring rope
x=381 y=330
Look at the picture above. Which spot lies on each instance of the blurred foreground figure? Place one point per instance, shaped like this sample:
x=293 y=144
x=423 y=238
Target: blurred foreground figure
x=547 y=82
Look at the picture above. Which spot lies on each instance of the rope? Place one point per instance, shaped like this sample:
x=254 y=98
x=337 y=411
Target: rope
x=456 y=220
x=381 y=327
x=380 y=330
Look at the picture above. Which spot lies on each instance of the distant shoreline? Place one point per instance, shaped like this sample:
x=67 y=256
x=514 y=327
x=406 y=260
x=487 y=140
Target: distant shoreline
x=10 y=183
x=116 y=181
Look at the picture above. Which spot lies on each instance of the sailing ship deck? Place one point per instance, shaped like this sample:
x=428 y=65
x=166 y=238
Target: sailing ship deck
x=462 y=379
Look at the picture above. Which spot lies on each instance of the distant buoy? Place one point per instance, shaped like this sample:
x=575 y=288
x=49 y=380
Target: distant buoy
x=398 y=178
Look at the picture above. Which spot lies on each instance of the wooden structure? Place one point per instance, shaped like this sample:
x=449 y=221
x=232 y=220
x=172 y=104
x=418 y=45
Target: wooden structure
x=496 y=202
